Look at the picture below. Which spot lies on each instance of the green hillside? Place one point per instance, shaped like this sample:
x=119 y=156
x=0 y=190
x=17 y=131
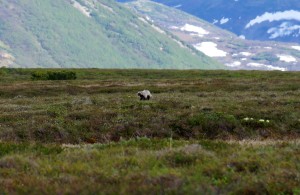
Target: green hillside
x=86 y=33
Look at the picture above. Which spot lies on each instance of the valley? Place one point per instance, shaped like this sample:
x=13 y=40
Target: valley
x=227 y=48
x=223 y=116
x=206 y=132
x=266 y=20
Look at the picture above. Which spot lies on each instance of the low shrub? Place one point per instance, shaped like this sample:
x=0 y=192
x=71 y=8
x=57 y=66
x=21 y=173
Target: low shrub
x=3 y=71
x=177 y=159
x=48 y=133
x=207 y=125
x=256 y=123
x=53 y=75
x=250 y=166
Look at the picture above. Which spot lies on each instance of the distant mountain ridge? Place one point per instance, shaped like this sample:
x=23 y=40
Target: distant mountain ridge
x=88 y=33
x=274 y=20
x=224 y=46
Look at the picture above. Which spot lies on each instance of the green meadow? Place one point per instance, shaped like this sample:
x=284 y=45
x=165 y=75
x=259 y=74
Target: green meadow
x=203 y=132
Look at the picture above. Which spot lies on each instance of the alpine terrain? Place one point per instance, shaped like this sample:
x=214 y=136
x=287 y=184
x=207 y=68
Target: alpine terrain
x=251 y=19
x=226 y=47
x=87 y=33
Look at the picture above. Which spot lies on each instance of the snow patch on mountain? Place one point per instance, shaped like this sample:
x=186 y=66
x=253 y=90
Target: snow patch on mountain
x=268 y=67
x=286 y=58
x=285 y=29
x=233 y=64
x=277 y=16
x=224 y=20
x=210 y=49
x=106 y=7
x=6 y=59
x=242 y=37
x=83 y=9
x=149 y=19
x=194 y=29
x=158 y=29
x=174 y=27
x=296 y=47
x=246 y=53
x=179 y=43
x=143 y=20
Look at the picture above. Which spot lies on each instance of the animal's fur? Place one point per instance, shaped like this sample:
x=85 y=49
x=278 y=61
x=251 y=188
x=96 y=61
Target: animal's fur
x=144 y=95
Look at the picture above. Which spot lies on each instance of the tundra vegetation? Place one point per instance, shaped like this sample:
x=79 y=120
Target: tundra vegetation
x=204 y=132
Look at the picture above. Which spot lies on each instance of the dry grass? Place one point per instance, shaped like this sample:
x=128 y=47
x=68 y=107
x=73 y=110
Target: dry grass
x=151 y=166
x=268 y=142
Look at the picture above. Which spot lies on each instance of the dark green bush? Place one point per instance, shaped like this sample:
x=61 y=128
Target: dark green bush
x=207 y=125
x=48 y=133
x=39 y=75
x=62 y=75
x=244 y=165
x=256 y=123
x=177 y=159
x=213 y=123
x=3 y=71
x=53 y=75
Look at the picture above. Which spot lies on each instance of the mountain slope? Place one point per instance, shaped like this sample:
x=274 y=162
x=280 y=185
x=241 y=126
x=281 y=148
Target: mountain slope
x=224 y=46
x=87 y=33
x=255 y=19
